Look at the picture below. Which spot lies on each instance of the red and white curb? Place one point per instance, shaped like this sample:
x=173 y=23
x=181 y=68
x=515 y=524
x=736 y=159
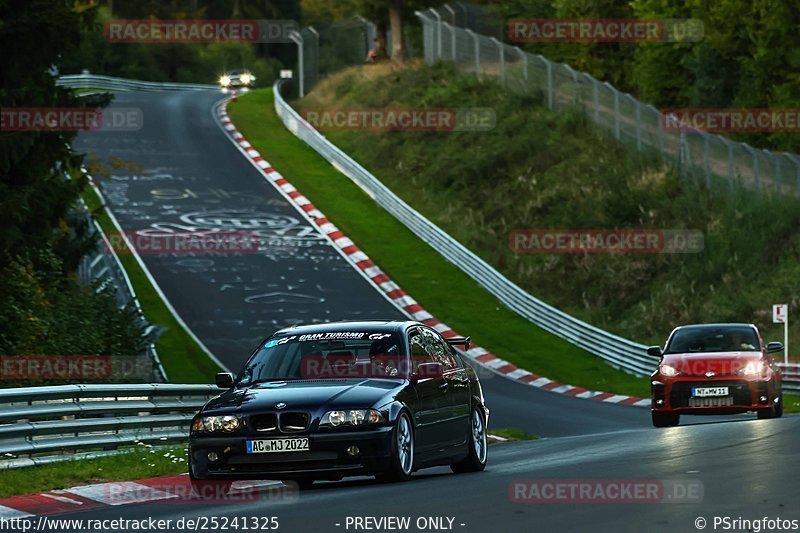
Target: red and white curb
x=165 y=489
x=392 y=290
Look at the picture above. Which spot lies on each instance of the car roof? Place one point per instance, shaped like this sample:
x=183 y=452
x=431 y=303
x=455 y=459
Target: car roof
x=350 y=325
x=716 y=326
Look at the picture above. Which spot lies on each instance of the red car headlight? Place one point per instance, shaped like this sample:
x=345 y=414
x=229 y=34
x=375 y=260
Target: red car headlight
x=668 y=371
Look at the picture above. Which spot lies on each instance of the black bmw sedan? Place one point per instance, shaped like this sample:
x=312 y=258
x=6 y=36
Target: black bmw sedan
x=342 y=399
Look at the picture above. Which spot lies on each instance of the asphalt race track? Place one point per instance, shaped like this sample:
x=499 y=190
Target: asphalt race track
x=182 y=174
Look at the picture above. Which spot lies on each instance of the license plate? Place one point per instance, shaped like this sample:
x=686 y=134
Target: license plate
x=704 y=392
x=277 y=445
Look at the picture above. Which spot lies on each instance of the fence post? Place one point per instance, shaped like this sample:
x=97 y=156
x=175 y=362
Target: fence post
x=502 y=61
x=477 y=51
x=298 y=40
x=549 y=67
x=706 y=163
x=524 y=57
x=794 y=159
x=438 y=34
x=755 y=166
x=453 y=40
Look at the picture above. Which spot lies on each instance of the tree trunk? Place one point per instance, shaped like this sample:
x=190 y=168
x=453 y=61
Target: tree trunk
x=396 y=23
x=380 y=41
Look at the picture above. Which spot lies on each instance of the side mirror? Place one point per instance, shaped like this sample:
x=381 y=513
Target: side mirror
x=224 y=380
x=774 y=347
x=655 y=351
x=429 y=371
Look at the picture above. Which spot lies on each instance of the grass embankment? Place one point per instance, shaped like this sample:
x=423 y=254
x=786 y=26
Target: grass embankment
x=140 y=463
x=436 y=284
x=536 y=169
x=183 y=360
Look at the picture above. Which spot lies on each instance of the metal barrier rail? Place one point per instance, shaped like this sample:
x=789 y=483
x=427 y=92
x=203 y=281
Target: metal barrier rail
x=93 y=81
x=619 y=352
x=42 y=422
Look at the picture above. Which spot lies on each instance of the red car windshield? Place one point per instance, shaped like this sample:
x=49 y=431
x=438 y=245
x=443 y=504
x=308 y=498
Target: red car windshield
x=714 y=339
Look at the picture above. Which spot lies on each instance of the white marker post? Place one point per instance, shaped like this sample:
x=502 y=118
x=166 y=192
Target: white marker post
x=780 y=315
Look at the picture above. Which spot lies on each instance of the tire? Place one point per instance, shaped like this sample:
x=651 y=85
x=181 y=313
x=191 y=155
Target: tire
x=475 y=461
x=402 y=451
x=665 y=420
x=776 y=411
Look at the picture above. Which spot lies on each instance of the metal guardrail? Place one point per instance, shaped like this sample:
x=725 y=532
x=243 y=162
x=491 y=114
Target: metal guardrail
x=617 y=351
x=93 y=81
x=104 y=265
x=48 y=423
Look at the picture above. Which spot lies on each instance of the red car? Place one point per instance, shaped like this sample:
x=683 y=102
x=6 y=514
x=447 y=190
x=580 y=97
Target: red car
x=711 y=369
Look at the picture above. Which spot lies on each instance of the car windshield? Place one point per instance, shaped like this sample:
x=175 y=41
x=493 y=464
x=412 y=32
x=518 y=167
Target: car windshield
x=713 y=339
x=326 y=355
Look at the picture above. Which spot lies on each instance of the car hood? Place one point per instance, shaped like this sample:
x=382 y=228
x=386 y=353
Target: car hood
x=715 y=363
x=307 y=395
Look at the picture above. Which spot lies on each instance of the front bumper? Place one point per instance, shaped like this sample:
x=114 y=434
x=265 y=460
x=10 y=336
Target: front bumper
x=327 y=457
x=744 y=394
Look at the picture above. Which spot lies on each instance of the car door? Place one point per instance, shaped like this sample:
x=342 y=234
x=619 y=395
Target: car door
x=433 y=402
x=458 y=396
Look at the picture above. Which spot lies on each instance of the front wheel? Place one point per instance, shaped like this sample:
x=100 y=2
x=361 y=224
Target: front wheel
x=665 y=420
x=475 y=461
x=776 y=411
x=402 y=451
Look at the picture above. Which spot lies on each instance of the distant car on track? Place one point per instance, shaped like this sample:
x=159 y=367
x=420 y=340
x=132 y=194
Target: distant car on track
x=708 y=369
x=382 y=398
x=237 y=79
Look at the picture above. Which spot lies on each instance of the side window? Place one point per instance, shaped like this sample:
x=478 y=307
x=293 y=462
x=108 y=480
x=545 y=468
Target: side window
x=440 y=350
x=419 y=351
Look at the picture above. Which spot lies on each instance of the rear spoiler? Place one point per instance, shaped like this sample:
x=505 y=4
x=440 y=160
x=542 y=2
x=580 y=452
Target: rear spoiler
x=459 y=341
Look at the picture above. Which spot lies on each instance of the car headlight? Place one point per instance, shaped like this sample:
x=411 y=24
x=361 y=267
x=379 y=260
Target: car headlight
x=246 y=78
x=752 y=368
x=668 y=371
x=211 y=424
x=224 y=81
x=354 y=417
